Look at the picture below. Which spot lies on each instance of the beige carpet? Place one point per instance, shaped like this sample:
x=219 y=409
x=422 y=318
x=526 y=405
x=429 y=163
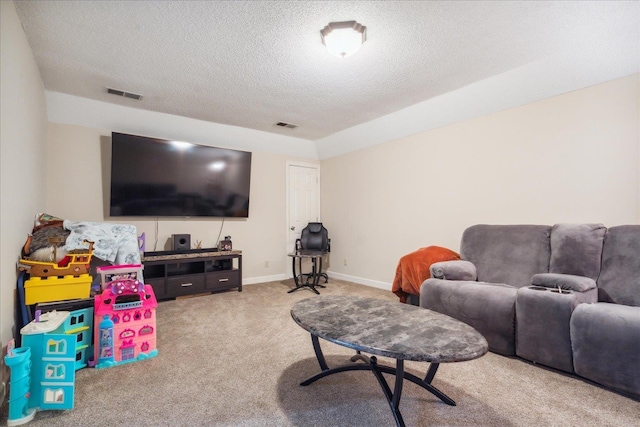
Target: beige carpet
x=236 y=359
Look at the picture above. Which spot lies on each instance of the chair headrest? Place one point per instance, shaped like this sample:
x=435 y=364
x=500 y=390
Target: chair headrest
x=315 y=227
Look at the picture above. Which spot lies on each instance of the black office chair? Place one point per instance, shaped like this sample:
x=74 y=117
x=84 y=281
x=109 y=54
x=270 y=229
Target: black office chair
x=314 y=237
x=313 y=243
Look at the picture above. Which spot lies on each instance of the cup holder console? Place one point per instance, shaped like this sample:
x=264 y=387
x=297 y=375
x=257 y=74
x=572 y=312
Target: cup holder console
x=556 y=290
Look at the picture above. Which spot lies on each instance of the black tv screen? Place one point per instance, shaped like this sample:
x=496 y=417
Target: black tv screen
x=155 y=177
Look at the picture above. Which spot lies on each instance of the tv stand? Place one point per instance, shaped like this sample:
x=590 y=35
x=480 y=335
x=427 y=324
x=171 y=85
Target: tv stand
x=180 y=252
x=179 y=273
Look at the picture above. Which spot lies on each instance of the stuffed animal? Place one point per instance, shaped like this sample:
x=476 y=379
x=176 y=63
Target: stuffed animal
x=46 y=241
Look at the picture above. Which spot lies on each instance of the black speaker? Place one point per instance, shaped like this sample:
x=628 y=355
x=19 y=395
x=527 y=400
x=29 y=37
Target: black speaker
x=181 y=242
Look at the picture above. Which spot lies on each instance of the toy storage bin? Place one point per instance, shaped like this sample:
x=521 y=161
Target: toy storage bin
x=48 y=289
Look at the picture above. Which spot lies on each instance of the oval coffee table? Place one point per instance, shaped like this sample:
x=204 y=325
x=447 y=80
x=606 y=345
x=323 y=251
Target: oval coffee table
x=391 y=329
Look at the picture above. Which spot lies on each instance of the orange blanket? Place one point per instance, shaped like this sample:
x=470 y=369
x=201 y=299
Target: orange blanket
x=413 y=269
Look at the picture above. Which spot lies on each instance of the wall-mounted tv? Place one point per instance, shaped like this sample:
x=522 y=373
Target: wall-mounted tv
x=159 y=178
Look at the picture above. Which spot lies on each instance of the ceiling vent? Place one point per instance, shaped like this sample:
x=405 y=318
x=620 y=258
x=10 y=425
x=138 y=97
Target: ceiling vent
x=125 y=94
x=286 y=125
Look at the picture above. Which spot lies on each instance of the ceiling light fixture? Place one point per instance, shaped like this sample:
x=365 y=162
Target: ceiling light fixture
x=343 y=39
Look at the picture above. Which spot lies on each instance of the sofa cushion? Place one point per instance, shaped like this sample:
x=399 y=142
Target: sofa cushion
x=606 y=345
x=487 y=307
x=577 y=249
x=509 y=254
x=619 y=280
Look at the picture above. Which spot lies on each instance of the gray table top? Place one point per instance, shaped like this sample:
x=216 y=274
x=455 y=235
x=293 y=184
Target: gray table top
x=387 y=328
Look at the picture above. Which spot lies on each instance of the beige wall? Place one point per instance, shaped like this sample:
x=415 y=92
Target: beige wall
x=23 y=123
x=570 y=158
x=77 y=185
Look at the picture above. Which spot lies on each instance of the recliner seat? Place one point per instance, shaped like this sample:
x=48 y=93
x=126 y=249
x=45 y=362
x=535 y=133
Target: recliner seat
x=498 y=259
x=566 y=296
x=605 y=336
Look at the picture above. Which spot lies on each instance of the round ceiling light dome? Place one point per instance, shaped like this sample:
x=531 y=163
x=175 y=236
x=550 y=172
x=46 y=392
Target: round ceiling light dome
x=343 y=39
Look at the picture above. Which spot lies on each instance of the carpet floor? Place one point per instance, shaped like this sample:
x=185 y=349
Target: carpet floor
x=237 y=358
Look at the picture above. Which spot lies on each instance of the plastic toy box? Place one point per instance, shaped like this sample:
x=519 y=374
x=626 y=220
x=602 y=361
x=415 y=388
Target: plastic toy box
x=47 y=289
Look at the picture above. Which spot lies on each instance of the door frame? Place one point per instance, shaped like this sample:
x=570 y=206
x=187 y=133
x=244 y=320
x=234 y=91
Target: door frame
x=290 y=163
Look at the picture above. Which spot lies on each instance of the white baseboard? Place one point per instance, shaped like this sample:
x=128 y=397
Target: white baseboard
x=263 y=279
x=360 y=280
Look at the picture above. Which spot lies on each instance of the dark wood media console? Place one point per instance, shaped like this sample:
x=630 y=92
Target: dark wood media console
x=173 y=274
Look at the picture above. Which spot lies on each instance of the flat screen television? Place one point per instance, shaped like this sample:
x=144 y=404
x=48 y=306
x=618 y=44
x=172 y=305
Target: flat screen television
x=159 y=178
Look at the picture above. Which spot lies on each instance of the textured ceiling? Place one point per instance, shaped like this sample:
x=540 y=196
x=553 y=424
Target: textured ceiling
x=255 y=63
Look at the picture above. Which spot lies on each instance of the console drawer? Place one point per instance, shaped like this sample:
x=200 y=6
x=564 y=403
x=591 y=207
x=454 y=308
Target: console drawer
x=223 y=280
x=185 y=285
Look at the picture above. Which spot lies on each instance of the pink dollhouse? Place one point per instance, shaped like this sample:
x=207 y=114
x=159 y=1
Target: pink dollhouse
x=125 y=319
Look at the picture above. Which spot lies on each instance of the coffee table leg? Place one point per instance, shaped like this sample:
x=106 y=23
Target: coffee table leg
x=359 y=356
x=433 y=368
x=392 y=398
x=426 y=383
x=319 y=355
x=371 y=364
x=427 y=386
x=325 y=368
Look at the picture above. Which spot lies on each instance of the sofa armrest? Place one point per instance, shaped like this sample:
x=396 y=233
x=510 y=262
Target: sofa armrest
x=453 y=270
x=563 y=281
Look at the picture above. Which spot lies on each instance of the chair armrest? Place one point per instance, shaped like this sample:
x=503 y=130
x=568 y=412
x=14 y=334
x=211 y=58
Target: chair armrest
x=563 y=281
x=453 y=270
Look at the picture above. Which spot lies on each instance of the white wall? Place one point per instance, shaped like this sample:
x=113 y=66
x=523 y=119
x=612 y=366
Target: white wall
x=570 y=158
x=78 y=184
x=73 y=110
x=23 y=124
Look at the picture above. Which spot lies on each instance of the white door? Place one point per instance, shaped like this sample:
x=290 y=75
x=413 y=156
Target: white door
x=303 y=200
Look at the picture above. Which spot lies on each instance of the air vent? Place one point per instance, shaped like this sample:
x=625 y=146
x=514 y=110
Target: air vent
x=125 y=94
x=286 y=125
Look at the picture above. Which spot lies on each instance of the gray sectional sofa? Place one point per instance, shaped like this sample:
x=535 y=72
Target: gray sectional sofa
x=566 y=296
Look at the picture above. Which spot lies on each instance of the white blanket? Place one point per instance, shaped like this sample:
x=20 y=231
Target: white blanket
x=116 y=243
